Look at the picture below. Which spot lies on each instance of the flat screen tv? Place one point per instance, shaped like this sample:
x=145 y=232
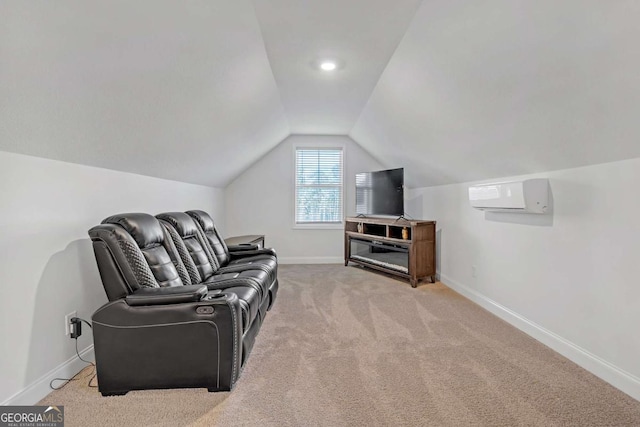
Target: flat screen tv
x=380 y=192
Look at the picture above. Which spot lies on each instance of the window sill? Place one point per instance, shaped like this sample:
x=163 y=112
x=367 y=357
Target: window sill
x=319 y=226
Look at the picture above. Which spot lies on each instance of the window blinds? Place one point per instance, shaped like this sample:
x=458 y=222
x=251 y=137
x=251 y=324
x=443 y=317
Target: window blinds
x=318 y=185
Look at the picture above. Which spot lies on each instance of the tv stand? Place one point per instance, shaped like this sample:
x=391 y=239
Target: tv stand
x=401 y=247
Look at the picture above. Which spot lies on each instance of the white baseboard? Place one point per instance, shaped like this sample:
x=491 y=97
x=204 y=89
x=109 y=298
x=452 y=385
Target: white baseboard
x=39 y=389
x=610 y=373
x=311 y=260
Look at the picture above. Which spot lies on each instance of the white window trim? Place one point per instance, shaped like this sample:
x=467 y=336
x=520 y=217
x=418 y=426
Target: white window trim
x=318 y=225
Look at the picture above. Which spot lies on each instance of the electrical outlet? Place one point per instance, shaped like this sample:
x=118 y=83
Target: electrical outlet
x=76 y=327
x=473 y=271
x=67 y=322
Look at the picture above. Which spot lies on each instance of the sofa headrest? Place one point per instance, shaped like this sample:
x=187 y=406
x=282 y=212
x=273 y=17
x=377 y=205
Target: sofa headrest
x=182 y=222
x=203 y=218
x=144 y=228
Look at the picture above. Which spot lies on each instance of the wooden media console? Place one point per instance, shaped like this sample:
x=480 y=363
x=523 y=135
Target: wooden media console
x=405 y=248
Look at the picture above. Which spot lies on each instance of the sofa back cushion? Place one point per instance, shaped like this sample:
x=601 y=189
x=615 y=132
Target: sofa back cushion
x=149 y=254
x=191 y=245
x=216 y=241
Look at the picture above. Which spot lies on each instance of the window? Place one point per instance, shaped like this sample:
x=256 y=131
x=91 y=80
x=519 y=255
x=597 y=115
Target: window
x=318 y=186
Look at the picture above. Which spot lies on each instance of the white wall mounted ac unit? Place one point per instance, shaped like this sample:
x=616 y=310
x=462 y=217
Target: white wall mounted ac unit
x=527 y=196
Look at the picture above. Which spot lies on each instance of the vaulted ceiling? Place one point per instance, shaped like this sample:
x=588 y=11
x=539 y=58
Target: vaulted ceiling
x=197 y=91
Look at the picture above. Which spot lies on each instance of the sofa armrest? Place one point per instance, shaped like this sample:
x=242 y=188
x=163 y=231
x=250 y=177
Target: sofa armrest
x=169 y=295
x=180 y=345
x=243 y=247
x=248 y=253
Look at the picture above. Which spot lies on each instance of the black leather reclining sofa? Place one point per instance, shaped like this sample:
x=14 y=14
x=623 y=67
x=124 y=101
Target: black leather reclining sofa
x=184 y=308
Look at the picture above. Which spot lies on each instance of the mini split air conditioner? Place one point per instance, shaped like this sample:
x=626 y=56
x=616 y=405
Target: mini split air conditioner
x=527 y=196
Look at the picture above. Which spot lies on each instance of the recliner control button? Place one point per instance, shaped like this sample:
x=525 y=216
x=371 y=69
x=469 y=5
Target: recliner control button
x=204 y=309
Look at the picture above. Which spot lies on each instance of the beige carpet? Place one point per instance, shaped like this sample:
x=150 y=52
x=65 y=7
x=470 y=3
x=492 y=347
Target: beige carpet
x=345 y=346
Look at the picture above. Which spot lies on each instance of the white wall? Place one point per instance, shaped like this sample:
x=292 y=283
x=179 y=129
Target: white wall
x=569 y=279
x=47 y=267
x=260 y=201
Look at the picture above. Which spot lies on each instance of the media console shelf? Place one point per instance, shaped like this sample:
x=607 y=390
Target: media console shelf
x=405 y=248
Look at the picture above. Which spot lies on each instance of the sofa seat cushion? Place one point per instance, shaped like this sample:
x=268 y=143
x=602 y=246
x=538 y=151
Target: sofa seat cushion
x=268 y=265
x=259 y=278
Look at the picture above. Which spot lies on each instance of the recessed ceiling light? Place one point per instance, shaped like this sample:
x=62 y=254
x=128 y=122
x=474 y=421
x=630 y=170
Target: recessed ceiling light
x=328 y=65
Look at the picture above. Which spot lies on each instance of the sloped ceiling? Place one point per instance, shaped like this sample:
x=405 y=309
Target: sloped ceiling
x=451 y=90
x=360 y=35
x=480 y=90
x=178 y=90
